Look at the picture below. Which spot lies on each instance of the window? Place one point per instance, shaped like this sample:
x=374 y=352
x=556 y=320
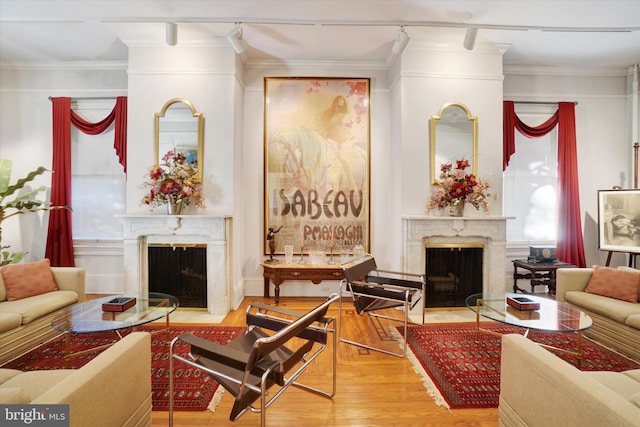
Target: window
x=530 y=186
x=98 y=183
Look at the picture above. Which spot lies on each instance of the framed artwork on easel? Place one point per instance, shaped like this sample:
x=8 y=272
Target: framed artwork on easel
x=619 y=220
x=316 y=162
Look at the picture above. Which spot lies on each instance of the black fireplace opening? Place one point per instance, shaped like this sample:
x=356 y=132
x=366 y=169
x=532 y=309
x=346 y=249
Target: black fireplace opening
x=181 y=271
x=453 y=272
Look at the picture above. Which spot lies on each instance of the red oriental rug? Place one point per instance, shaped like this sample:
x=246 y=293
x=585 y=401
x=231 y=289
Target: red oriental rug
x=194 y=390
x=460 y=372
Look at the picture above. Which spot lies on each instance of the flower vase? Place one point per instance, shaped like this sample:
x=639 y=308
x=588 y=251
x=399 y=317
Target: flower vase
x=456 y=210
x=174 y=208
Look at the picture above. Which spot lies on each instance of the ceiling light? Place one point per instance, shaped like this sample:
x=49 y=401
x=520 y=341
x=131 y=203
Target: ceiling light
x=402 y=40
x=470 y=38
x=171 y=33
x=235 y=38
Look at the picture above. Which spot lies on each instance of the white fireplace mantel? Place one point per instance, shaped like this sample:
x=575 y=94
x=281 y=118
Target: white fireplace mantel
x=491 y=231
x=213 y=231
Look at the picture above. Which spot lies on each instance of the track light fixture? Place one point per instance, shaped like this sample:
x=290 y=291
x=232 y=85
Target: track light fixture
x=171 y=29
x=470 y=38
x=235 y=38
x=402 y=40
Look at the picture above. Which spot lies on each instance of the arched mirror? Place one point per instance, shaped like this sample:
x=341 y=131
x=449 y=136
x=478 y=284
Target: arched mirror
x=180 y=128
x=454 y=135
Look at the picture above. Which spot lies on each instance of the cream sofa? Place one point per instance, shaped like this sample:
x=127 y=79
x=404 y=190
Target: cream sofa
x=537 y=388
x=114 y=389
x=616 y=323
x=26 y=323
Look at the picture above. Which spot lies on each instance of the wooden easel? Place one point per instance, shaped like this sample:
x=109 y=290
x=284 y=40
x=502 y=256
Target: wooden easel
x=633 y=259
x=633 y=256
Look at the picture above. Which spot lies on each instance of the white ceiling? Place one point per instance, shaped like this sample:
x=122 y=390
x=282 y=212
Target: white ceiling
x=359 y=31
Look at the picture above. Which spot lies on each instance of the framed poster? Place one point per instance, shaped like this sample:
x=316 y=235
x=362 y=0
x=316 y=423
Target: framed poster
x=316 y=163
x=619 y=220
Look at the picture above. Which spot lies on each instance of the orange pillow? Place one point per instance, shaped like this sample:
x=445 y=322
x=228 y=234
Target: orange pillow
x=28 y=279
x=614 y=283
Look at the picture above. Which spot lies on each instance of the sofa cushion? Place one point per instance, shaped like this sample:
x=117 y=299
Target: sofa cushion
x=34 y=383
x=9 y=321
x=633 y=374
x=28 y=279
x=34 y=307
x=621 y=384
x=7 y=374
x=13 y=396
x=614 y=283
x=633 y=321
x=635 y=399
x=610 y=308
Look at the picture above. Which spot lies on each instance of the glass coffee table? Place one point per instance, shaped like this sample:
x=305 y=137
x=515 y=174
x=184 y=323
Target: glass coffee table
x=89 y=317
x=552 y=316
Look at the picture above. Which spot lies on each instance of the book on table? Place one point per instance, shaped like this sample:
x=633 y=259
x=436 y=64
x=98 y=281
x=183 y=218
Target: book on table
x=119 y=304
x=523 y=303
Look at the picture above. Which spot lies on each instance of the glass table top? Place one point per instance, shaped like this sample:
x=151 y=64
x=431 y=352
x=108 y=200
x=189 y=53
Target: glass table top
x=551 y=316
x=88 y=316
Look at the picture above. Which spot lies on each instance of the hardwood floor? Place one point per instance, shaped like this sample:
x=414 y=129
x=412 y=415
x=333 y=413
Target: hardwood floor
x=373 y=389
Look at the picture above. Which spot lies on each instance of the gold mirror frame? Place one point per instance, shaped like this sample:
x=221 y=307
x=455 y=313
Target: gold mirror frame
x=473 y=159
x=199 y=136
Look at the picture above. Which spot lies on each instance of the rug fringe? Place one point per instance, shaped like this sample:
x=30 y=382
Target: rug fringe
x=215 y=400
x=428 y=383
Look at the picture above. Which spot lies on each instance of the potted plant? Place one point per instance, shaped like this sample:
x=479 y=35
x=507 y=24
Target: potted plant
x=18 y=204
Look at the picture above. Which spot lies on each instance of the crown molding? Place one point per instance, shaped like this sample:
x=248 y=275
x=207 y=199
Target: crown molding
x=65 y=65
x=564 y=71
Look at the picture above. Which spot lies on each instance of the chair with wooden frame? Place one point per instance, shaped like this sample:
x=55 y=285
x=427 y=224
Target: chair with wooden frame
x=373 y=289
x=278 y=347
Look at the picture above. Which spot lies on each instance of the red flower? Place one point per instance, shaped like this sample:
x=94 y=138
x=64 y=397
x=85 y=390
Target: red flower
x=174 y=180
x=456 y=187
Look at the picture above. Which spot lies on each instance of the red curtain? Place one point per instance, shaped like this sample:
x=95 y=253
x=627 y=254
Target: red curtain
x=569 y=243
x=59 y=247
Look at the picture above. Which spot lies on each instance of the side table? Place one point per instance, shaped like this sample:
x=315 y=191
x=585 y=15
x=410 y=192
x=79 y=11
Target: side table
x=538 y=273
x=279 y=272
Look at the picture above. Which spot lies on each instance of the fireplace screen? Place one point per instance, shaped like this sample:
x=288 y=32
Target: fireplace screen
x=181 y=271
x=453 y=273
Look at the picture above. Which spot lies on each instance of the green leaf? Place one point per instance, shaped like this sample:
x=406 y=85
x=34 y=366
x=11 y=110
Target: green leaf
x=5 y=174
x=21 y=182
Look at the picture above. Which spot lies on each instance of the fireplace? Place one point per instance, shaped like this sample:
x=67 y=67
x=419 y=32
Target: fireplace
x=453 y=272
x=487 y=232
x=180 y=271
x=211 y=233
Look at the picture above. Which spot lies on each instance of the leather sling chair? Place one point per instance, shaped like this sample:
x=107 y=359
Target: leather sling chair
x=373 y=290
x=277 y=348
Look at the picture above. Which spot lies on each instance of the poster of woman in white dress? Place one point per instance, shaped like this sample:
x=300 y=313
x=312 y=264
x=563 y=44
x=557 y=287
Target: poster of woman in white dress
x=317 y=161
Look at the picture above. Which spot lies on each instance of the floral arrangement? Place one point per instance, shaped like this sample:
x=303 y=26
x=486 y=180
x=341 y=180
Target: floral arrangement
x=457 y=187
x=173 y=181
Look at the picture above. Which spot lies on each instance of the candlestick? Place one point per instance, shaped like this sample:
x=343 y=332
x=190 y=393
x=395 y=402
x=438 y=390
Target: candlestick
x=331 y=261
x=302 y=255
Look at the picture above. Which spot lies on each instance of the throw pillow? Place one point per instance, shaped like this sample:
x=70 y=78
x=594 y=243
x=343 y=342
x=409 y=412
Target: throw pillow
x=28 y=279
x=614 y=283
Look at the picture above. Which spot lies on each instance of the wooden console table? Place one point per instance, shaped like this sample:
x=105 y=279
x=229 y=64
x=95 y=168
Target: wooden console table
x=278 y=273
x=538 y=274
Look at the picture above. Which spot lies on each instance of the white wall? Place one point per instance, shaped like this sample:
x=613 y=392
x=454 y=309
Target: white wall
x=403 y=98
x=253 y=233
x=26 y=139
x=603 y=132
